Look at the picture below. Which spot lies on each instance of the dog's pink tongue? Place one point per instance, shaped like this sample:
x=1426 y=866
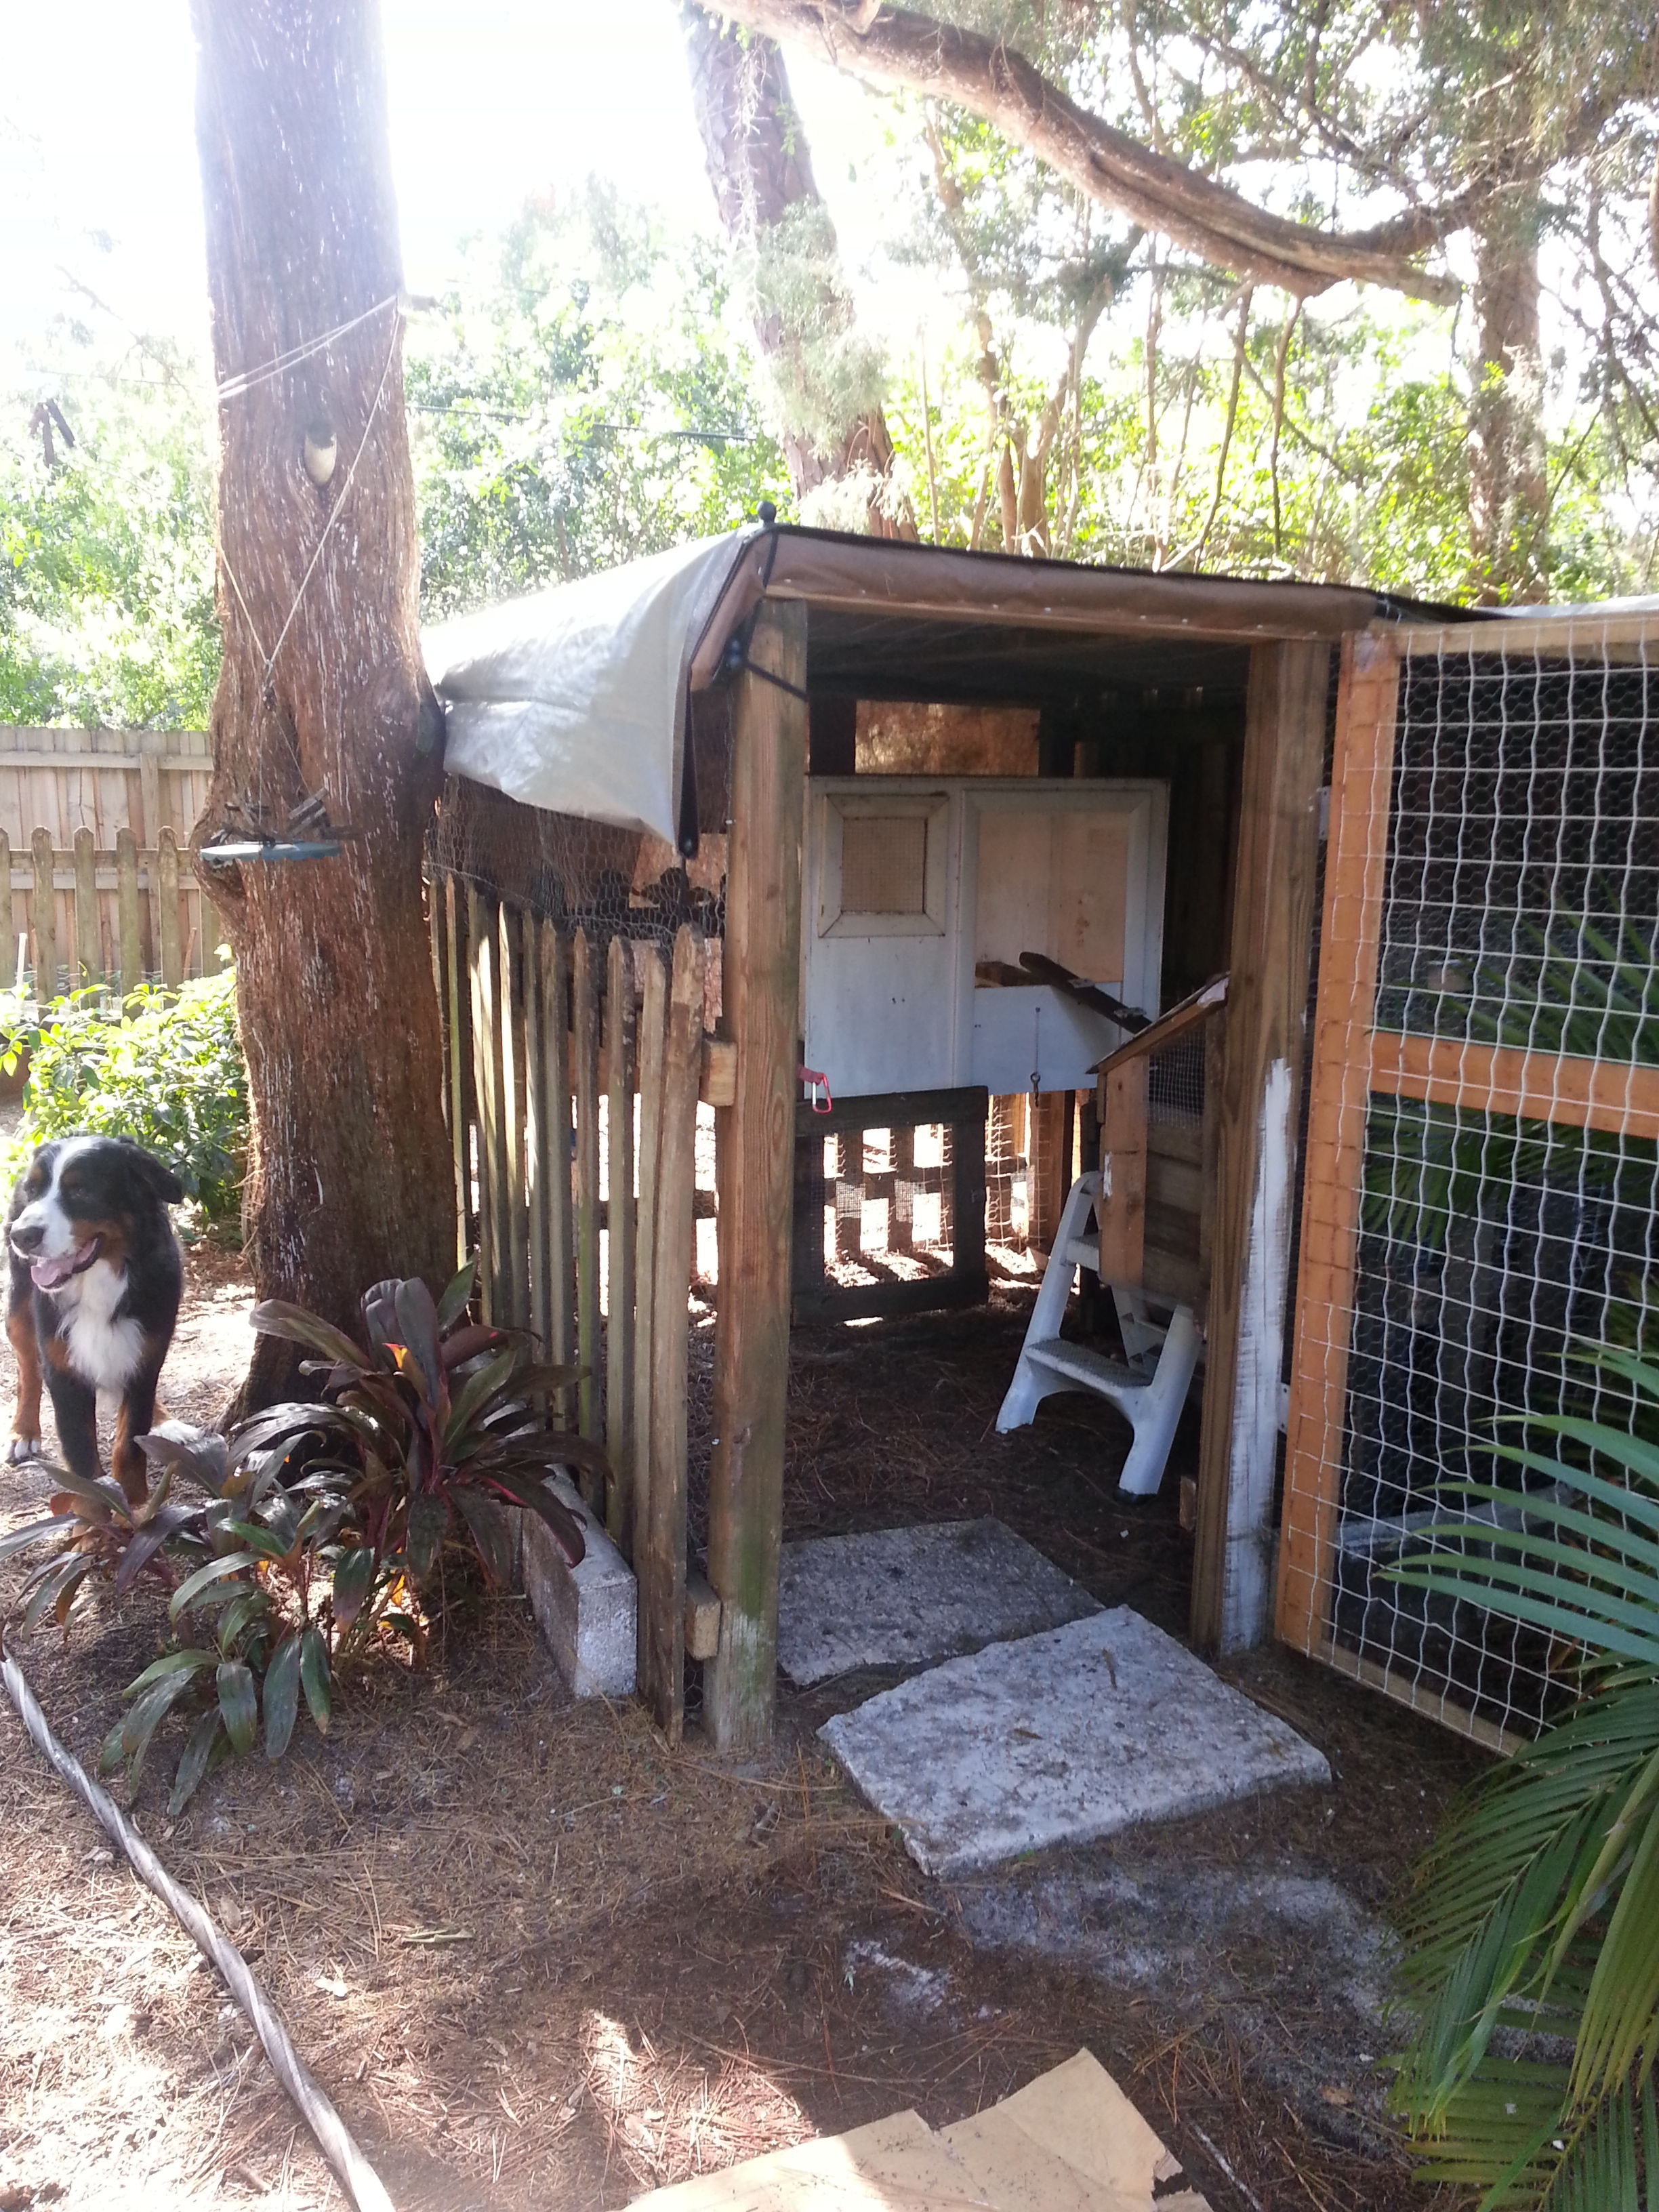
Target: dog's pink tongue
x=47 y=1275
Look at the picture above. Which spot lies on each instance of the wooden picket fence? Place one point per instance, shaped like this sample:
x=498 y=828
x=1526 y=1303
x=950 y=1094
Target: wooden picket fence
x=574 y=1078
x=70 y=802
x=131 y=915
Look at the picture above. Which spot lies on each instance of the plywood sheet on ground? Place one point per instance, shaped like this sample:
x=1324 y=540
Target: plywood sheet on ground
x=1070 y=2141
x=1061 y=1738
x=899 y=1597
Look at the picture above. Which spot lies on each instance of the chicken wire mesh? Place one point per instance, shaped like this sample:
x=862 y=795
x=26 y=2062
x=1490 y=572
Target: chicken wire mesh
x=1498 y=878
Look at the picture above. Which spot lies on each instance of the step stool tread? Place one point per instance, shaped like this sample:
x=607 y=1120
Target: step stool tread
x=1084 y=1366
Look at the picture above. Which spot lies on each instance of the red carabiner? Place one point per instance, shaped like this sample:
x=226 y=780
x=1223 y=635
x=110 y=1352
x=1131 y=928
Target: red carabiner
x=818 y=1083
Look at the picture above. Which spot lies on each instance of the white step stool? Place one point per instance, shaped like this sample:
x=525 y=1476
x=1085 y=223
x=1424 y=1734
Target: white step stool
x=1150 y=1394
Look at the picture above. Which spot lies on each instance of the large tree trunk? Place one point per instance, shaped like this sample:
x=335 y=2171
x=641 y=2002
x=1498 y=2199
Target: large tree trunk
x=756 y=150
x=1509 y=479
x=351 y=1178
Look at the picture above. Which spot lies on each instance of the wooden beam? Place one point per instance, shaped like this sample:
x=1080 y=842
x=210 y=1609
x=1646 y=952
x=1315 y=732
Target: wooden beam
x=1120 y=1209
x=619 y=1037
x=167 y=902
x=515 y=1099
x=126 y=896
x=1539 y=1086
x=1350 y=938
x=659 y=1548
x=652 y=1026
x=761 y=998
x=1271 y=946
x=89 y=946
x=1627 y=637
x=585 y=1063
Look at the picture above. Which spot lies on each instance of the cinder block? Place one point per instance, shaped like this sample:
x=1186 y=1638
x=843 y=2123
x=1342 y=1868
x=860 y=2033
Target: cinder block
x=588 y=1614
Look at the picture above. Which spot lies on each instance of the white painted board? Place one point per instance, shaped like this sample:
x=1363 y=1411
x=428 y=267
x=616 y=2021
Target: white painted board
x=1005 y=865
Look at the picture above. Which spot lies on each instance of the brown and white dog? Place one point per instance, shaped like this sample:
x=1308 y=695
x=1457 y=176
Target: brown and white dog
x=95 y=1281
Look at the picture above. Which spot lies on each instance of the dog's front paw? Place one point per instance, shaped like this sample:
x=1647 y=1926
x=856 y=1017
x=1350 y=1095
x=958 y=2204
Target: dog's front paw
x=22 y=1448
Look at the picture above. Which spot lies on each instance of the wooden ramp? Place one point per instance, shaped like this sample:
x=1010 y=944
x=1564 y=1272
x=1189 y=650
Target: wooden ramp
x=1069 y=2141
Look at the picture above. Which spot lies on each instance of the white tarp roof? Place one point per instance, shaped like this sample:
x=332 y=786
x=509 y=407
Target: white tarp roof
x=573 y=699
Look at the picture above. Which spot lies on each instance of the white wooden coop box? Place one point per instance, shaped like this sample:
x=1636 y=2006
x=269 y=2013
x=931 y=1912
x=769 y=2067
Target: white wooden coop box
x=917 y=889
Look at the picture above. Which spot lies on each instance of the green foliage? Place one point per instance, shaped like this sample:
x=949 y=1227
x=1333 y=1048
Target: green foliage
x=1533 y=1927
x=582 y=403
x=162 y=1067
x=315 y=1531
x=823 y=375
x=107 y=557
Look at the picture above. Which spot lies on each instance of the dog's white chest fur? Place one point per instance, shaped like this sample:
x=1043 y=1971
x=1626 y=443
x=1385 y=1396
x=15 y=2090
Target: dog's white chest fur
x=103 y=1351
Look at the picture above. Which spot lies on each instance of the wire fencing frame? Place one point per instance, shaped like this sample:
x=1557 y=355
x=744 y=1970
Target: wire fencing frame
x=1481 y=1193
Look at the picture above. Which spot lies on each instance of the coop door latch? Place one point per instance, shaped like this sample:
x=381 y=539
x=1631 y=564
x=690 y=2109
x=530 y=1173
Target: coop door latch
x=818 y=1082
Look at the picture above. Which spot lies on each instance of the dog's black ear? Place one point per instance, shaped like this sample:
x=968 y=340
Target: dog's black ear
x=156 y=1173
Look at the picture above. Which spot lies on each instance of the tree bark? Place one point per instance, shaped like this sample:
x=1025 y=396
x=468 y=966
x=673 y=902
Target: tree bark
x=349 y=1179
x=755 y=148
x=1509 y=477
x=904 y=52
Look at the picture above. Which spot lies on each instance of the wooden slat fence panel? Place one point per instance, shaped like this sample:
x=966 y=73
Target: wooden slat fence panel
x=586 y=1235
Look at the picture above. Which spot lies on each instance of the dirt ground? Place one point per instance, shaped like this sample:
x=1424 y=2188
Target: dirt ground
x=536 y=1959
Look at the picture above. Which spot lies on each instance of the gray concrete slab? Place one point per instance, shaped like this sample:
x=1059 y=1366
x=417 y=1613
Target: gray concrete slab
x=901 y=1597
x=587 y=1614
x=1061 y=1738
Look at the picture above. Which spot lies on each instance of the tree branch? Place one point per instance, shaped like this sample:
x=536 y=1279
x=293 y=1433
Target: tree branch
x=902 y=51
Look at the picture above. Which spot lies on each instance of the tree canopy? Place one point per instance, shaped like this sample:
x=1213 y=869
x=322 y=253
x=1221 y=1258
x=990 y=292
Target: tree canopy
x=1135 y=231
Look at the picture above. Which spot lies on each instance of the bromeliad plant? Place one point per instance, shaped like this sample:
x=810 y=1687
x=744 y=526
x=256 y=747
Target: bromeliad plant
x=1532 y=1927
x=316 y=1527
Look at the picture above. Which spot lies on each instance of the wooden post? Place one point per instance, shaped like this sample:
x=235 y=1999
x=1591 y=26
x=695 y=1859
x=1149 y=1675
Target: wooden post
x=584 y=1048
x=484 y=941
x=166 y=897
x=901 y=1207
x=556 y=1151
x=660 y=1557
x=516 y=1102
x=537 y=1163
x=619 y=1239
x=458 y=1028
x=45 y=918
x=1122 y=1210
x=126 y=903
x=89 y=945
x=761 y=993
x=1267 y=1002
x=8 y=916
x=1355 y=860
x=653 y=1044
x=849 y=1194
x=1048 y=1167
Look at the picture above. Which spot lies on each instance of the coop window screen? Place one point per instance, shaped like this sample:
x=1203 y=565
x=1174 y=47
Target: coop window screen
x=1482 y=1192
x=882 y=863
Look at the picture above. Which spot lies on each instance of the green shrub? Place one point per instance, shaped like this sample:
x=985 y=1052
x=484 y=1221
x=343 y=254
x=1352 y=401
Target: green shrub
x=163 y=1067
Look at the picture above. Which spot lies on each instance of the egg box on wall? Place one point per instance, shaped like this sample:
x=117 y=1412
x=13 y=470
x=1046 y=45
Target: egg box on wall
x=917 y=888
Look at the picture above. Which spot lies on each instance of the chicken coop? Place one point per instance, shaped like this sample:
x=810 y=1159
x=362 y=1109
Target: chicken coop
x=789 y=886
x=1481 y=1195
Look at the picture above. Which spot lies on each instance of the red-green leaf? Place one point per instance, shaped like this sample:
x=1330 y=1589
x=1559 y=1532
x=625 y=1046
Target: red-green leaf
x=458 y=1295
x=483 y=1517
x=37 y=1533
x=238 y=1703
x=198 y=1752
x=314 y=1676
x=216 y=1569
x=147 y=1541
x=188 y=1662
x=428 y=1522
x=354 y=1577
x=277 y=1317
x=281 y=1696
x=146 y=1717
x=527 y=1490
